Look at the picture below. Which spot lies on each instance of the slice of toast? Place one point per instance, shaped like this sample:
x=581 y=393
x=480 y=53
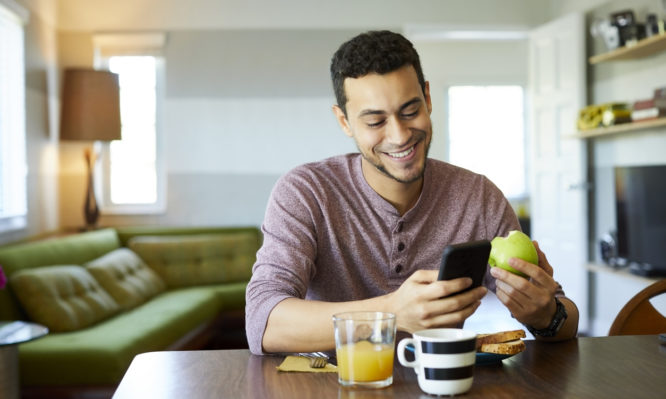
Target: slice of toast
x=498 y=337
x=504 y=348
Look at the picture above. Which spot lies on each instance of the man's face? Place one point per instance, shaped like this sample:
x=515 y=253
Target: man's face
x=389 y=118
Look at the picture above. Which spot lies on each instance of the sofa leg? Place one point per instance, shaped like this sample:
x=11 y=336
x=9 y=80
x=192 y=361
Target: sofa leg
x=229 y=331
x=78 y=392
x=226 y=331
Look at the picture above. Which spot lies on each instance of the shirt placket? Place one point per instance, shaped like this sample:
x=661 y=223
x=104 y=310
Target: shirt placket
x=399 y=243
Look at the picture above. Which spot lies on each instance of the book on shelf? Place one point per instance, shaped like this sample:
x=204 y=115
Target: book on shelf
x=644 y=104
x=651 y=108
x=648 y=113
x=660 y=93
x=650 y=103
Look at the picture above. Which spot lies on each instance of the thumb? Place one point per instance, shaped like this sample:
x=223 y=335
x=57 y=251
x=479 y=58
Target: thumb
x=423 y=276
x=543 y=261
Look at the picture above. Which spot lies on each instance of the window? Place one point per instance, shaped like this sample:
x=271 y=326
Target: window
x=487 y=134
x=13 y=167
x=132 y=160
x=132 y=172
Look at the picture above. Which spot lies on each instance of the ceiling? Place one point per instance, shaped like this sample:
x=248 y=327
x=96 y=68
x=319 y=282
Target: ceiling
x=115 y=15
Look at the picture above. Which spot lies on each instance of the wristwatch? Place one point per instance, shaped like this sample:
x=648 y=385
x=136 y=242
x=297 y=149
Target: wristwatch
x=555 y=324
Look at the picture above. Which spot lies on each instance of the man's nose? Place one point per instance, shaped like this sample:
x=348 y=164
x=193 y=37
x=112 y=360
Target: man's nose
x=397 y=132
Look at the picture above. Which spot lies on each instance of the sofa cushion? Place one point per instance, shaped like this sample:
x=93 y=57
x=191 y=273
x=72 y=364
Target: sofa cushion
x=125 y=276
x=101 y=354
x=202 y=259
x=70 y=249
x=62 y=297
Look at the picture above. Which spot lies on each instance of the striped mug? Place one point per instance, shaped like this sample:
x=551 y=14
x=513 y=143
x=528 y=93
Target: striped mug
x=443 y=359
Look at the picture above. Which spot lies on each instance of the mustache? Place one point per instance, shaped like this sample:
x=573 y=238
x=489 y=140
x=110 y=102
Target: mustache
x=418 y=135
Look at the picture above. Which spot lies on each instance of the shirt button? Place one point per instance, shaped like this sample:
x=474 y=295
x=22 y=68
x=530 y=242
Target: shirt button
x=398 y=268
x=401 y=246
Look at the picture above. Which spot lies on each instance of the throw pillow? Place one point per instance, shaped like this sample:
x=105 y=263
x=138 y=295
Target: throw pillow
x=198 y=259
x=62 y=297
x=125 y=276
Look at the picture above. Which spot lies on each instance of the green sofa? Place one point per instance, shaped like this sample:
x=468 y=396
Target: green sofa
x=110 y=294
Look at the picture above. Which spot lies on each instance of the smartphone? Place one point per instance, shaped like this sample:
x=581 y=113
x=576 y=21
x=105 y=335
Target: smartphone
x=469 y=259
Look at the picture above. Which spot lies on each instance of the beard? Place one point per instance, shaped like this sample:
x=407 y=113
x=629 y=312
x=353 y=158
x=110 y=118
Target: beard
x=421 y=137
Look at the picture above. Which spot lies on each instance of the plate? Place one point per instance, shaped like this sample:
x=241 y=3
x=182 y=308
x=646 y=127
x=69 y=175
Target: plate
x=481 y=358
x=490 y=358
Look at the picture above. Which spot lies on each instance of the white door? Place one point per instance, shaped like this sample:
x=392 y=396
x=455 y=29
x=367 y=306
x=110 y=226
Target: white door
x=558 y=167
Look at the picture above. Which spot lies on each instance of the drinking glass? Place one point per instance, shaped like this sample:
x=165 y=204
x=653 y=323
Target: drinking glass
x=364 y=345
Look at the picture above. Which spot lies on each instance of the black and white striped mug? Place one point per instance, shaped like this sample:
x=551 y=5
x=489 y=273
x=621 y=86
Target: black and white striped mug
x=444 y=359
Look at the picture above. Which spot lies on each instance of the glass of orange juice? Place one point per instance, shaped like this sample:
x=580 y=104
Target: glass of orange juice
x=364 y=346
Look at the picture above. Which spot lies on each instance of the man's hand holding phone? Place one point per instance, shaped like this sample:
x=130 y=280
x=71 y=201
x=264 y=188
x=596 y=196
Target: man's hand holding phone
x=426 y=301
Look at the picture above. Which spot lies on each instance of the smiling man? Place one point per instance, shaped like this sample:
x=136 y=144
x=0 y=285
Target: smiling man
x=366 y=231
x=388 y=115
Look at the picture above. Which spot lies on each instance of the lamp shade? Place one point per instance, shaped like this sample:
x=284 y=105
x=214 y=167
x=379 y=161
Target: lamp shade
x=90 y=106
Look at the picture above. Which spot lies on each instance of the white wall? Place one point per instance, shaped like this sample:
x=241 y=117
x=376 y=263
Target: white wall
x=249 y=94
x=242 y=107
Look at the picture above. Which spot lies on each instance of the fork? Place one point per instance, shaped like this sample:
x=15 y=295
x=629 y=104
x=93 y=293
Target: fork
x=317 y=359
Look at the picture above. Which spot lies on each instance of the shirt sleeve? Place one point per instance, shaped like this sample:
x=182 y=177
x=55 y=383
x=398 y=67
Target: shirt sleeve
x=285 y=262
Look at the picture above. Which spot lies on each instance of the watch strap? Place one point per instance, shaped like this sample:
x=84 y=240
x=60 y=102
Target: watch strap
x=555 y=324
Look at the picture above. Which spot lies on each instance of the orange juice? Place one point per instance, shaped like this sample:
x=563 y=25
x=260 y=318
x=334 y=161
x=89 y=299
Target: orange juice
x=365 y=361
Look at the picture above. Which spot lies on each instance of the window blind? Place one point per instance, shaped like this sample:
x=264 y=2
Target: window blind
x=13 y=168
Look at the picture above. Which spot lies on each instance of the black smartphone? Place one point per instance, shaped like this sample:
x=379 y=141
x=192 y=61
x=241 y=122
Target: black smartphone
x=469 y=259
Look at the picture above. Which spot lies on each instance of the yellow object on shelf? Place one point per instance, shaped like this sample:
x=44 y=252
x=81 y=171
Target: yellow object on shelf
x=609 y=114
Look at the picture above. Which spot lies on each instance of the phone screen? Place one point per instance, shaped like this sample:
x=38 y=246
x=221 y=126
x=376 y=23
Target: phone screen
x=468 y=259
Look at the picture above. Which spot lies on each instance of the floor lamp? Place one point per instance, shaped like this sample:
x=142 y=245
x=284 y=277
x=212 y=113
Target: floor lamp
x=90 y=112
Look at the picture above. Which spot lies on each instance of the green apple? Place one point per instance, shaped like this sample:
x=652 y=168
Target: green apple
x=516 y=245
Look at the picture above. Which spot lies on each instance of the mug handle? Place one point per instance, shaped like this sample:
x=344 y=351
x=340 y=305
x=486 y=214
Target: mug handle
x=401 y=353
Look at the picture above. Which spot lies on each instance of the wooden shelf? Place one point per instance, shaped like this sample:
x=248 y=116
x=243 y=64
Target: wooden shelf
x=622 y=128
x=620 y=272
x=645 y=47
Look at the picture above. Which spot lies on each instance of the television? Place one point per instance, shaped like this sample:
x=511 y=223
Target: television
x=640 y=209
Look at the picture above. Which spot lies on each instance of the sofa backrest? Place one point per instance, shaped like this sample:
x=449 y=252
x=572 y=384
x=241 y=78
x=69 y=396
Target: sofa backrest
x=75 y=249
x=126 y=233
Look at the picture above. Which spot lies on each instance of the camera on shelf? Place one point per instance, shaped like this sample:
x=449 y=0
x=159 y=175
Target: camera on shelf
x=622 y=29
x=609 y=33
x=654 y=26
x=630 y=31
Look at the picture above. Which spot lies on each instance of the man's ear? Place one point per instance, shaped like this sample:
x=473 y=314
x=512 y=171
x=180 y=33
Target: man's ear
x=342 y=120
x=426 y=93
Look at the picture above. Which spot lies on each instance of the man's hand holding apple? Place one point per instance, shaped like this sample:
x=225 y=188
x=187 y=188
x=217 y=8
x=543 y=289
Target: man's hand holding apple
x=527 y=287
x=530 y=300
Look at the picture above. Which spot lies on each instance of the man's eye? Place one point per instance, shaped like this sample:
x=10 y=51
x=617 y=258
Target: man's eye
x=375 y=124
x=410 y=114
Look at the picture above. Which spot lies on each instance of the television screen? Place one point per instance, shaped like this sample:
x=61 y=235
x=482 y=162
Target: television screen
x=640 y=204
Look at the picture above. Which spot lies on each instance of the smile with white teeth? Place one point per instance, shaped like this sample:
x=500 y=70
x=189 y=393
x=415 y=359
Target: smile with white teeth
x=401 y=154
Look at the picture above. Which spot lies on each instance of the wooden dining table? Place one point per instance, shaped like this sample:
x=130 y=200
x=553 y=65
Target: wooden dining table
x=585 y=367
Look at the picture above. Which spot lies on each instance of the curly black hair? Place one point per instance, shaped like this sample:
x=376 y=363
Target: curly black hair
x=374 y=51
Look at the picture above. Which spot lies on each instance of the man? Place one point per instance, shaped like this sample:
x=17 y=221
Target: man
x=366 y=231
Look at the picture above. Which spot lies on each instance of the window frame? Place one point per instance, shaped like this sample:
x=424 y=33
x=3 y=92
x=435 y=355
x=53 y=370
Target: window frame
x=107 y=46
x=13 y=148
x=526 y=145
